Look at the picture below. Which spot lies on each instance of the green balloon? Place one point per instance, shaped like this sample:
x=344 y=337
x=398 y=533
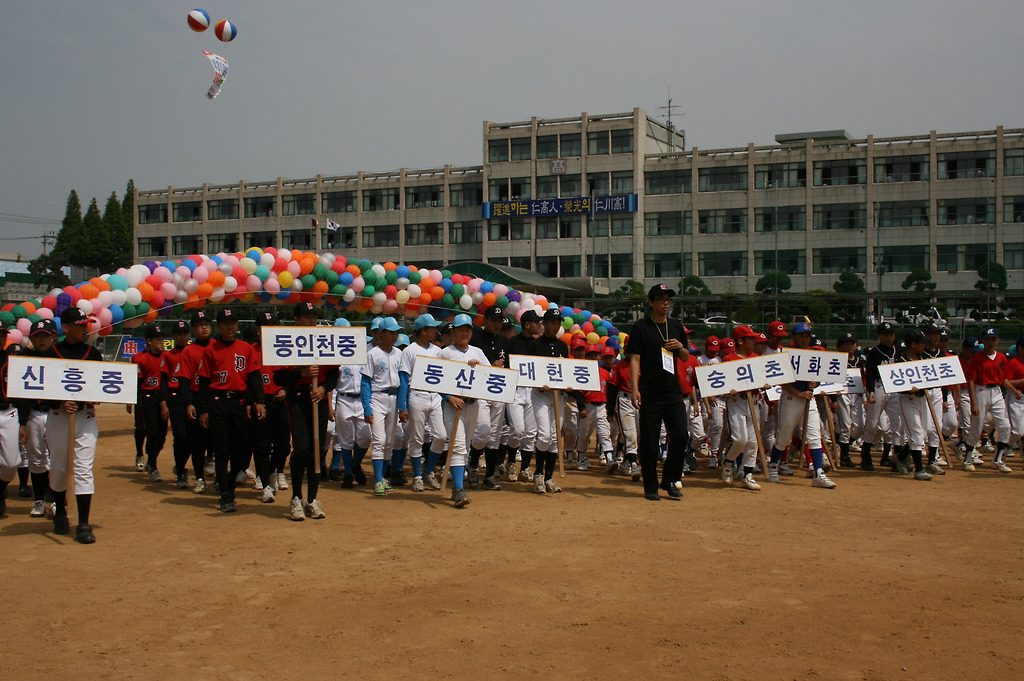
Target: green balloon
x=142 y=309
x=129 y=310
x=331 y=277
x=446 y=274
x=308 y=280
x=391 y=277
x=457 y=290
x=567 y=323
x=502 y=302
x=19 y=311
x=338 y=290
x=447 y=300
x=601 y=331
x=415 y=277
x=365 y=265
x=370 y=277
x=34 y=318
x=320 y=270
x=7 y=318
x=368 y=291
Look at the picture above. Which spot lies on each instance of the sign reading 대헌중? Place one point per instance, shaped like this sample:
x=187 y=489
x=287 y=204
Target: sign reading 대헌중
x=921 y=374
x=556 y=372
x=751 y=373
x=621 y=203
x=450 y=377
x=41 y=378
x=307 y=345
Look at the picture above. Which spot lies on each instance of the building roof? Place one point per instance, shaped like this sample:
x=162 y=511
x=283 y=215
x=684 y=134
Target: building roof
x=516 y=277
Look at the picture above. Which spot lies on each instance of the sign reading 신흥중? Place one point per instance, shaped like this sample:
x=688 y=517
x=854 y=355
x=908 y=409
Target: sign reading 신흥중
x=821 y=366
x=751 y=373
x=39 y=378
x=450 y=377
x=308 y=345
x=921 y=374
x=556 y=372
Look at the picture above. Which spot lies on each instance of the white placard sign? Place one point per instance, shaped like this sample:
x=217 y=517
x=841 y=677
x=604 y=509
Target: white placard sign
x=830 y=389
x=38 y=378
x=821 y=366
x=921 y=374
x=743 y=374
x=308 y=345
x=450 y=377
x=556 y=372
x=855 y=381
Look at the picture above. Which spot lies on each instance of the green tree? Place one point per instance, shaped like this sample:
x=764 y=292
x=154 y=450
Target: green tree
x=848 y=305
x=66 y=251
x=773 y=283
x=849 y=282
x=107 y=240
x=125 y=249
x=627 y=302
x=920 y=281
x=95 y=247
x=692 y=289
x=992 y=277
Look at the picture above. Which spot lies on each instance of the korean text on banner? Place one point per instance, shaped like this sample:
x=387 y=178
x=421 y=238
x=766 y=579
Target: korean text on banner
x=556 y=372
x=449 y=377
x=921 y=375
x=822 y=366
x=855 y=381
x=307 y=345
x=39 y=378
x=752 y=373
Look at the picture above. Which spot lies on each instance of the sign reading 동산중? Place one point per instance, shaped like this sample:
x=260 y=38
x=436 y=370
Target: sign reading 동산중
x=751 y=373
x=556 y=372
x=822 y=366
x=921 y=374
x=39 y=378
x=449 y=377
x=307 y=345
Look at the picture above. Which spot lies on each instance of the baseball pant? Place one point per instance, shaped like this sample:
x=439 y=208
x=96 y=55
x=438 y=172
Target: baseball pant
x=86 y=435
x=741 y=428
x=990 y=404
x=889 y=406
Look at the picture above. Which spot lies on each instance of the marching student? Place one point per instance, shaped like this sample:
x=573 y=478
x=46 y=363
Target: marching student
x=691 y=401
x=985 y=378
x=548 y=345
x=776 y=334
x=935 y=395
x=879 y=402
x=594 y=418
x=176 y=404
x=10 y=440
x=379 y=392
x=521 y=421
x=32 y=425
x=151 y=412
x=741 y=421
x=271 y=441
x=1013 y=381
x=620 y=393
x=351 y=431
x=421 y=409
x=491 y=421
x=970 y=346
x=849 y=406
x=186 y=371
x=570 y=407
x=714 y=408
x=914 y=416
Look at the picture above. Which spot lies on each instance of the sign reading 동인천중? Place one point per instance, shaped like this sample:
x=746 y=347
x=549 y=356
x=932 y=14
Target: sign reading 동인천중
x=307 y=345
x=751 y=373
x=556 y=372
x=921 y=374
x=582 y=205
x=62 y=380
x=822 y=366
x=450 y=377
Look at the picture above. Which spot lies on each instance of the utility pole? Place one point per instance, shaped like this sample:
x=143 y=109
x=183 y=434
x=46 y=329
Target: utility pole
x=47 y=238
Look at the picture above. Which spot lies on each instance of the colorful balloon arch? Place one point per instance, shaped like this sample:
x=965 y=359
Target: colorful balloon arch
x=142 y=293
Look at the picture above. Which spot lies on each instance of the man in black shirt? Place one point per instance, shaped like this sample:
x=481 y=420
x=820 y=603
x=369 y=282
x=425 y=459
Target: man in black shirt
x=491 y=419
x=879 y=401
x=548 y=345
x=654 y=345
x=521 y=422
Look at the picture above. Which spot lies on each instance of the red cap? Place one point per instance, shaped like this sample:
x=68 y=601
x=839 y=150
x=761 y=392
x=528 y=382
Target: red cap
x=743 y=331
x=711 y=342
x=578 y=342
x=593 y=348
x=777 y=328
x=761 y=338
x=608 y=351
x=728 y=344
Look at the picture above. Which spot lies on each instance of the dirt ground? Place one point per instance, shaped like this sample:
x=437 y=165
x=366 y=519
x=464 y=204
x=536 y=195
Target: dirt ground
x=882 y=578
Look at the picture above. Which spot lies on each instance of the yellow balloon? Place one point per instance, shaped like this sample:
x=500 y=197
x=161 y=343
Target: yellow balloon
x=285 y=278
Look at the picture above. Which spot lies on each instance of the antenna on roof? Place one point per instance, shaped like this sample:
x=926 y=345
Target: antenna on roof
x=669 y=108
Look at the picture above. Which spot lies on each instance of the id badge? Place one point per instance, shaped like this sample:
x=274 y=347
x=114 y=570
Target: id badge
x=668 y=361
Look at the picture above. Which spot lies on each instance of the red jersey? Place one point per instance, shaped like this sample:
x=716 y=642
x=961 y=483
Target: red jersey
x=187 y=365
x=228 y=365
x=266 y=374
x=150 y=368
x=684 y=371
x=984 y=370
x=599 y=396
x=620 y=377
x=171 y=359
x=1014 y=370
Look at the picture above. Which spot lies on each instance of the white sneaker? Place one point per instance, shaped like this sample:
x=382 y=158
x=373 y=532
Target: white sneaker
x=295 y=511
x=140 y=463
x=154 y=476
x=773 y=472
x=417 y=483
x=969 y=467
x=250 y=473
x=240 y=477
x=713 y=462
x=512 y=474
x=939 y=461
x=282 y=481
x=821 y=480
x=975 y=459
x=313 y=510
x=727 y=472
x=634 y=471
x=922 y=475
x=38 y=509
x=432 y=481
x=538 y=484
x=50 y=510
x=704 y=450
x=784 y=468
x=200 y=487
x=526 y=475
x=986 y=448
x=210 y=468
x=257 y=484
x=999 y=466
x=750 y=483
x=552 y=487
x=935 y=469
x=268 y=495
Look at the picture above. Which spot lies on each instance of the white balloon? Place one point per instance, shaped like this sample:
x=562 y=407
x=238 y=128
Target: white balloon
x=133 y=296
x=191 y=286
x=118 y=297
x=401 y=283
x=349 y=296
x=180 y=297
x=226 y=268
x=414 y=290
x=217 y=295
x=377 y=308
x=85 y=306
x=230 y=284
x=106 y=297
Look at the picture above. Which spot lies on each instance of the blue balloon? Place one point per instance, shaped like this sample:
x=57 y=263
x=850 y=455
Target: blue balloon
x=264 y=296
x=486 y=287
x=446 y=284
x=170 y=264
x=217 y=259
x=402 y=272
x=345 y=278
x=116 y=314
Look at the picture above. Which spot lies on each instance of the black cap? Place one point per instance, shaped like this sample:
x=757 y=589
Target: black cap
x=914 y=336
x=444 y=328
x=267 y=318
x=493 y=312
x=660 y=290
x=944 y=334
x=303 y=308
x=529 y=316
x=885 y=327
x=930 y=328
x=553 y=314
x=200 y=316
x=506 y=322
x=179 y=326
x=73 y=315
x=845 y=338
x=43 y=326
x=154 y=331
x=226 y=315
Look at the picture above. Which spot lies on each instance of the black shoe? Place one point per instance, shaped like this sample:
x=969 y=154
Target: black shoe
x=885 y=461
x=846 y=462
x=652 y=496
x=397 y=479
x=335 y=475
x=674 y=493
x=359 y=475
x=3 y=502
x=61 y=524
x=346 y=482
x=24 y=491
x=228 y=507
x=866 y=465
x=182 y=481
x=83 y=534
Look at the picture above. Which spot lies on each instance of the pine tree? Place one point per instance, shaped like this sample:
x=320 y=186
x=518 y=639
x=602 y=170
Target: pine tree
x=71 y=240
x=126 y=235
x=92 y=252
x=108 y=240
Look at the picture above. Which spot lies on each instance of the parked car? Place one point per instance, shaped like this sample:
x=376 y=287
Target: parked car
x=718 y=320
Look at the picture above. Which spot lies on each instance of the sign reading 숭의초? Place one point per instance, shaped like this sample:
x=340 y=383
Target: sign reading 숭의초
x=751 y=373
x=556 y=372
x=63 y=380
x=307 y=345
x=822 y=366
x=450 y=377
x=921 y=374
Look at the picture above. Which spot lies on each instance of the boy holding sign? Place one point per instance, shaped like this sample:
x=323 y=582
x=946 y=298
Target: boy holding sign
x=379 y=389
x=741 y=421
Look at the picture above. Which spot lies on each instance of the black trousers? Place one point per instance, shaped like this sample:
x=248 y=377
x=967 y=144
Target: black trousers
x=199 y=441
x=179 y=431
x=148 y=412
x=229 y=431
x=657 y=408
x=300 y=408
x=270 y=439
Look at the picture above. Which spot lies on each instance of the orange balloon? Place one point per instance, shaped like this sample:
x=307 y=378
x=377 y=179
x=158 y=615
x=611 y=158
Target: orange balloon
x=145 y=289
x=426 y=283
x=354 y=270
x=29 y=306
x=216 y=279
x=425 y=299
x=478 y=320
x=366 y=303
x=490 y=299
x=151 y=315
x=413 y=305
x=100 y=284
x=320 y=288
x=306 y=265
x=205 y=290
x=566 y=338
x=389 y=266
x=437 y=293
x=89 y=291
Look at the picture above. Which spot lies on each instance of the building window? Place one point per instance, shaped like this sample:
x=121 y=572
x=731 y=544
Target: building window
x=497 y=189
x=466 y=194
x=722 y=221
x=965 y=164
x=521 y=149
x=570 y=186
x=522 y=262
x=547 y=146
x=515 y=229
x=835 y=260
x=346 y=237
x=547 y=187
x=667 y=224
x=597 y=184
x=424 y=196
x=153 y=214
x=946 y=256
x=667 y=182
x=1013 y=162
x=622 y=182
x=622 y=265
x=789 y=261
x=547 y=265
x=339 y=202
x=298 y=204
x=622 y=141
x=187 y=244
x=509 y=188
x=465 y=233
x=723 y=263
x=187 y=211
x=597 y=142
x=381 y=199
x=979 y=211
x=423 y=235
x=1013 y=209
x=976 y=255
x=901 y=169
x=153 y=247
x=723 y=179
x=840 y=172
x=663 y=265
x=1013 y=256
x=222 y=209
x=840 y=216
x=301 y=239
x=261 y=239
x=780 y=175
x=497 y=150
x=559 y=227
x=904 y=258
x=222 y=243
x=497 y=261
x=597 y=265
x=780 y=219
x=903 y=214
x=572 y=144
x=260 y=206
x=569 y=266
x=376 y=236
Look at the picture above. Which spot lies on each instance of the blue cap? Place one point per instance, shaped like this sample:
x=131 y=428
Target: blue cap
x=388 y=324
x=462 y=320
x=402 y=339
x=376 y=323
x=989 y=332
x=341 y=321
x=971 y=343
x=425 y=320
x=801 y=327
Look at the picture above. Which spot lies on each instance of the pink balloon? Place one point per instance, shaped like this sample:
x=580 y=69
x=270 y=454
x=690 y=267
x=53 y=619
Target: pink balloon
x=253 y=283
x=45 y=313
x=474 y=285
x=23 y=325
x=163 y=273
x=390 y=305
x=17 y=337
x=201 y=274
x=168 y=289
x=183 y=272
x=500 y=290
x=358 y=284
x=436 y=276
x=272 y=286
x=105 y=316
x=294 y=268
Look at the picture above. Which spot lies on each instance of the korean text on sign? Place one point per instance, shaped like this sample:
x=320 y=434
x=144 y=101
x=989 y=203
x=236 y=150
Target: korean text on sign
x=556 y=372
x=743 y=374
x=458 y=378
x=922 y=374
x=306 y=345
x=822 y=366
x=72 y=380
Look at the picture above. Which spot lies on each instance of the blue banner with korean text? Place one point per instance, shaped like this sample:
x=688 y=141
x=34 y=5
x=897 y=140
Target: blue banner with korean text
x=583 y=205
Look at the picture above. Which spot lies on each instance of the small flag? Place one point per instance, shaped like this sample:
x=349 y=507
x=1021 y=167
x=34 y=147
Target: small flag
x=332 y=226
x=315 y=222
